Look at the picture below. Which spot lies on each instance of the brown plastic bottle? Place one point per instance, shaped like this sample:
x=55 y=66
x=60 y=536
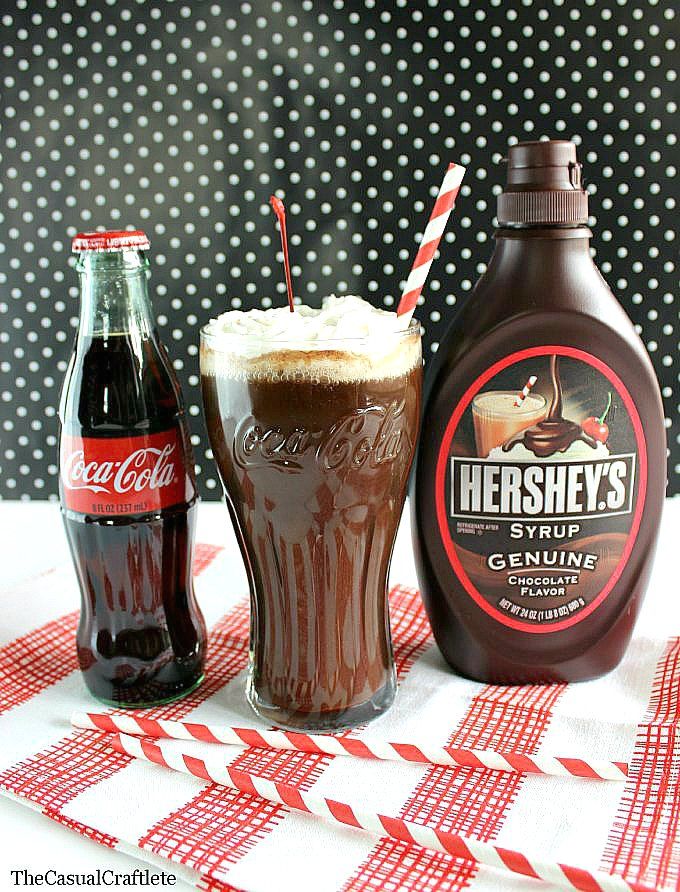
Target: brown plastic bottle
x=535 y=517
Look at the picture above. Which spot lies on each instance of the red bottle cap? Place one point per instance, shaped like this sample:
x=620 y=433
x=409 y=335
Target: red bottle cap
x=112 y=240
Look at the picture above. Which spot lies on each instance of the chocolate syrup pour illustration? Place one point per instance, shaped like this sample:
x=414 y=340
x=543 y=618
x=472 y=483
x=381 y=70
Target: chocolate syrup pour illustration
x=555 y=433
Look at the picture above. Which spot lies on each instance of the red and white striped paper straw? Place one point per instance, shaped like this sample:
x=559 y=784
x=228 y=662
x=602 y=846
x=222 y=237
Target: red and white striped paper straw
x=213 y=770
x=348 y=746
x=524 y=393
x=446 y=198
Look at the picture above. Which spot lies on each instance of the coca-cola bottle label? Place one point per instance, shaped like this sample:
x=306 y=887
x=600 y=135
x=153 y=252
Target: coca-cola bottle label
x=123 y=475
x=540 y=486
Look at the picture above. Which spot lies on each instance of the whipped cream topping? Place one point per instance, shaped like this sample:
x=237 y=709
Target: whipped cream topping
x=339 y=317
x=346 y=339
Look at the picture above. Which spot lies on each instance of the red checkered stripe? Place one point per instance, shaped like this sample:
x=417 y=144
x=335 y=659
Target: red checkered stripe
x=208 y=884
x=53 y=777
x=218 y=826
x=104 y=839
x=644 y=840
x=37 y=660
x=462 y=800
x=204 y=555
x=410 y=628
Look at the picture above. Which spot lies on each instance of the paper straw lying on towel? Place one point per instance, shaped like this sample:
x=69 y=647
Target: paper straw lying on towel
x=347 y=746
x=214 y=770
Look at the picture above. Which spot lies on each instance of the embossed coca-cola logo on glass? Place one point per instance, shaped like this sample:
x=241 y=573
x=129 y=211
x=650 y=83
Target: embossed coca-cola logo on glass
x=122 y=475
x=367 y=437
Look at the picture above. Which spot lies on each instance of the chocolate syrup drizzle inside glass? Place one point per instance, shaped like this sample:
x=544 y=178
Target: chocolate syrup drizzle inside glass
x=555 y=433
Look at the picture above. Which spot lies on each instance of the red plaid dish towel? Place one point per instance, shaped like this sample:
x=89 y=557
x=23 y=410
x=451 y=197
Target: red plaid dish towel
x=218 y=838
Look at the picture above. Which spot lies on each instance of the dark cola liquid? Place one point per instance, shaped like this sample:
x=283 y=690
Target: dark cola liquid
x=141 y=638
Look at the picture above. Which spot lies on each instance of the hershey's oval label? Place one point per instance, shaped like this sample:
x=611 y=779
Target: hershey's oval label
x=540 y=485
x=123 y=475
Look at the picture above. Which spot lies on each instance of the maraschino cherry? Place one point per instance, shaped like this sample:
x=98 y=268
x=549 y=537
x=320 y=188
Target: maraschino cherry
x=280 y=212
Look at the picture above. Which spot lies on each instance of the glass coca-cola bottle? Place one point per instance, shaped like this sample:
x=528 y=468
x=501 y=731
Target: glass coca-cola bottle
x=127 y=486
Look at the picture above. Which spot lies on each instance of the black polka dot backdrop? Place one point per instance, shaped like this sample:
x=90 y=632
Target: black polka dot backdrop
x=182 y=118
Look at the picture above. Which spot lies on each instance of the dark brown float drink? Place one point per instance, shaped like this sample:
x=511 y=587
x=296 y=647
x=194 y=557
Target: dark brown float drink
x=314 y=442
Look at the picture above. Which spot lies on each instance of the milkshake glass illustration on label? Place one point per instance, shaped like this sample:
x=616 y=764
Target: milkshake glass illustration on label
x=313 y=431
x=497 y=416
x=538 y=489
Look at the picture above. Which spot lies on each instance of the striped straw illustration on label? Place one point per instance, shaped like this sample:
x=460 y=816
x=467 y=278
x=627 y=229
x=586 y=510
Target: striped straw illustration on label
x=524 y=393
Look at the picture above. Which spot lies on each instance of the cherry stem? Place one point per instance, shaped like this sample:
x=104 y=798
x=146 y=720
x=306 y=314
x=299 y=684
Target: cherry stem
x=280 y=212
x=604 y=414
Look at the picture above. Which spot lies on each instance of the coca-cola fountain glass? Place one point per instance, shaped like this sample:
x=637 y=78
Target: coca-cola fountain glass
x=314 y=449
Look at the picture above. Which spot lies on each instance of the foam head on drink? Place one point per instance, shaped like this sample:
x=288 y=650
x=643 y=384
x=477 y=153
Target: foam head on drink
x=313 y=418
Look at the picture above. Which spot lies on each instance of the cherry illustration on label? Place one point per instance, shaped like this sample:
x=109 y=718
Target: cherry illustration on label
x=596 y=427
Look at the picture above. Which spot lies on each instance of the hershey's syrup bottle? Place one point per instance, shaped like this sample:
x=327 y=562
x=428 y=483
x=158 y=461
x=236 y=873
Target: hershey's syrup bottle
x=535 y=515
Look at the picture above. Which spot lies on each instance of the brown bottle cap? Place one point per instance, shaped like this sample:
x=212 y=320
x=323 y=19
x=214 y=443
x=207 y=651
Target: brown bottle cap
x=543 y=186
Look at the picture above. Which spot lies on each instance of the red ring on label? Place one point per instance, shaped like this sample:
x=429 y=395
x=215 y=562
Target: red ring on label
x=440 y=480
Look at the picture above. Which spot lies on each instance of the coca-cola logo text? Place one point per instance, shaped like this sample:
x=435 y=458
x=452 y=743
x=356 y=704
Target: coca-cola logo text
x=124 y=475
x=144 y=468
x=366 y=437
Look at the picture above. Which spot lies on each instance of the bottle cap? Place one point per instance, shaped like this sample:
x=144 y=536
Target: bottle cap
x=543 y=186
x=112 y=240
